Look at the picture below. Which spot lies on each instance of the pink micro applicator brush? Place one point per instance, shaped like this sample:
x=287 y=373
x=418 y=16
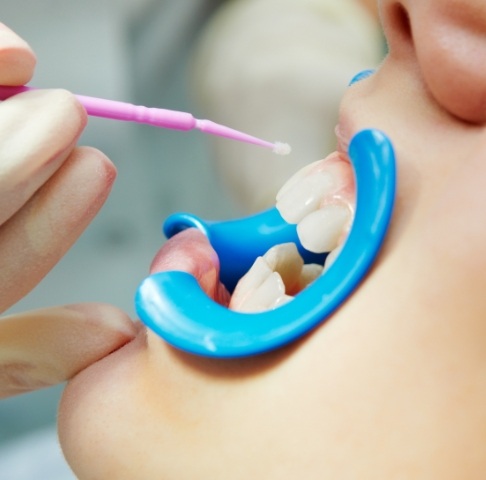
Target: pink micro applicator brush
x=158 y=117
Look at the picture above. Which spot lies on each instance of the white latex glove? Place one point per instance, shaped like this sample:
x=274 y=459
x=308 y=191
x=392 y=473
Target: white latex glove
x=49 y=192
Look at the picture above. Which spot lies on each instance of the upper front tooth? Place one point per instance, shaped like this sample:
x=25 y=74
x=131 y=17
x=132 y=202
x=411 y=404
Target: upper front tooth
x=321 y=230
x=320 y=200
x=332 y=256
x=304 y=196
x=296 y=178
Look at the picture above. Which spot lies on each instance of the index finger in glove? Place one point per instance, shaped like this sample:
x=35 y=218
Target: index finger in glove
x=38 y=130
x=37 y=237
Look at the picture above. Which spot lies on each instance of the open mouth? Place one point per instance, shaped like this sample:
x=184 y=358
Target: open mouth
x=320 y=200
x=317 y=212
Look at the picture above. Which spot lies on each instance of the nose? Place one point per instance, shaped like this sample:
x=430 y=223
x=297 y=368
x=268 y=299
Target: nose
x=446 y=40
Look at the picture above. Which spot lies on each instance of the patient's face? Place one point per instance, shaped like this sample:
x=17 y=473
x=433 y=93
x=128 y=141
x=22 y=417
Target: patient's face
x=393 y=385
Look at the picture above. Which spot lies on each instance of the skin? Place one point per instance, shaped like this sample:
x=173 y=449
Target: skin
x=47 y=186
x=393 y=385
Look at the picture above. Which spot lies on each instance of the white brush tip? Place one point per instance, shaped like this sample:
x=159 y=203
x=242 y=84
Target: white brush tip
x=281 y=148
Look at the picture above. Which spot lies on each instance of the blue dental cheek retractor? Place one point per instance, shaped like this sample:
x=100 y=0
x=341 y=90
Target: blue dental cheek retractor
x=173 y=305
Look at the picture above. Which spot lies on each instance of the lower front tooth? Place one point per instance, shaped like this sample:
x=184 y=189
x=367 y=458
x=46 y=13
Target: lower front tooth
x=266 y=297
x=321 y=230
x=273 y=280
x=286 y=260
x=310 y=272
x=251 y=281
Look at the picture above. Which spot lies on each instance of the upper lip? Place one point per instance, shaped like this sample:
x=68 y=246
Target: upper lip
x=342 y=140
x=344 y=131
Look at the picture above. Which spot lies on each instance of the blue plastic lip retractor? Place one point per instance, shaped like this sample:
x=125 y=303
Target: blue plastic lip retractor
x=173 y=305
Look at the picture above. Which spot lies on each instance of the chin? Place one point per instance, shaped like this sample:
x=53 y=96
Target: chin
x=96 y=410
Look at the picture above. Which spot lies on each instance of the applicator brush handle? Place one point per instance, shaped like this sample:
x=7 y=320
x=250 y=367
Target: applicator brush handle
x=157 y=117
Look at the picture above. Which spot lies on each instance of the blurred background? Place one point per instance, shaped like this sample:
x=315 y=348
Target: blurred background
x=142 y=51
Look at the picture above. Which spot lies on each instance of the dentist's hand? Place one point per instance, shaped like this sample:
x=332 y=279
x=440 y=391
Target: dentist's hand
x=50 y=190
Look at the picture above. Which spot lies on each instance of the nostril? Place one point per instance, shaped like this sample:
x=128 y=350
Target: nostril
x=400 y=21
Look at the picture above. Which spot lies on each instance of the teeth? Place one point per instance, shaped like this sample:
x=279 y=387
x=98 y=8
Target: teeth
x=320 y=231
x=266 y=296
x=299 y=175
x=270 y=281
x=332 y=256
x=304 y=196
x=285 y=260
x=320 y=200
x=249 y=283
x=310 y=272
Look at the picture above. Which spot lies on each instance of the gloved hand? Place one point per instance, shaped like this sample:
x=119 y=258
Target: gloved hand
x=50 y=190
